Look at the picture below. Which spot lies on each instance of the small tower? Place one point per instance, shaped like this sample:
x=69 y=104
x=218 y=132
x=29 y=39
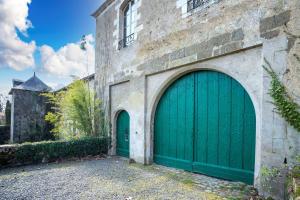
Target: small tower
x=28 y=110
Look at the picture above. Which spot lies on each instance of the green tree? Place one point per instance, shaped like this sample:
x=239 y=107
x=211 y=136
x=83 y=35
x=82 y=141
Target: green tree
x=7 y=112
x=2 y=101
x=74 y=111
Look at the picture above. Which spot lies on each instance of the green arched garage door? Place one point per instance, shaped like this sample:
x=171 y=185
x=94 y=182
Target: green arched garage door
x=205 y=123
x=123 y=134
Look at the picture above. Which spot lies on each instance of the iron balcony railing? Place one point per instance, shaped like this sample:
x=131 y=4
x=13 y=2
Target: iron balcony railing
x=126 y=41
x=193 y=4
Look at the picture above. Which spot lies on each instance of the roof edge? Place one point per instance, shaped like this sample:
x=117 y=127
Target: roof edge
x=15 y=79
x=89 y=77
x=42 y=91
x=86 y=78
x=102 y=8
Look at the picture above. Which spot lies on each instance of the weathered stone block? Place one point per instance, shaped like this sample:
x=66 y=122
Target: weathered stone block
x=160 y=62
x=270 y=34
x=270 y=23
x=183 y=61
x=220 y=39
x=237 y=35
x=203 y=50
x=233 y=46
x=177 y=54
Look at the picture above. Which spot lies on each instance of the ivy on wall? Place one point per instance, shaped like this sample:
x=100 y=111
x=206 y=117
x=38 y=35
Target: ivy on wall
x=285 y=105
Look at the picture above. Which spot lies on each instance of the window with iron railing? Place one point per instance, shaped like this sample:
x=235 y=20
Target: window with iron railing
x=130 y=13
x=193 y=4
x=126 y=41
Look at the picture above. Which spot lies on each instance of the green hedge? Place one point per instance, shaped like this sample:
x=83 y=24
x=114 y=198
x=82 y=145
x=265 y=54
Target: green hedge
x=53 y=150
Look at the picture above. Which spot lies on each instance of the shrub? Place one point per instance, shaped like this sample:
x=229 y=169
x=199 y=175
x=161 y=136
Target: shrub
x=74 y=111
x=53 y=150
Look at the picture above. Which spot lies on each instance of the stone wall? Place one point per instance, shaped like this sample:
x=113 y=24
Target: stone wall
x=29 y=110
x=234 y=37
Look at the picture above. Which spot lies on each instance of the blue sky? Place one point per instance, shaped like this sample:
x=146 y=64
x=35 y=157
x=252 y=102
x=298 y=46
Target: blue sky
x=47 y=33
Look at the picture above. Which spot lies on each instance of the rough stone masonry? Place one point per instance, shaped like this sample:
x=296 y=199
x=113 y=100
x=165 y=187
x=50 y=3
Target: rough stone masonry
x=29 y=108
x=170 y=40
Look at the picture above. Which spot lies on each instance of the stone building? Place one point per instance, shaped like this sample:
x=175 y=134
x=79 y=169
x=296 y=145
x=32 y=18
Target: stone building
x=28 y=111
x=90 y=80
x=184 y=86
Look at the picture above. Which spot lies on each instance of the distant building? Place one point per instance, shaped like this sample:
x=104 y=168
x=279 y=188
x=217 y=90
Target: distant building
x=90 y=80
x=28 y=110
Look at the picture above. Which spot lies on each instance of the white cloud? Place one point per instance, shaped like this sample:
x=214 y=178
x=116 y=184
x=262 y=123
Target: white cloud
x=14 y=52
x=17 y=54
x=56 y=86
x=69 y=59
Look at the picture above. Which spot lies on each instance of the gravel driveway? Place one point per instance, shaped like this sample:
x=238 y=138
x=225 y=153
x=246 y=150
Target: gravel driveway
x=112 y=178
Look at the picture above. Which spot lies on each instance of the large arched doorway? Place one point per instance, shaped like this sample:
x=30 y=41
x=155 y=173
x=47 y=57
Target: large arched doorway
x=205 y=123
x=123 y=134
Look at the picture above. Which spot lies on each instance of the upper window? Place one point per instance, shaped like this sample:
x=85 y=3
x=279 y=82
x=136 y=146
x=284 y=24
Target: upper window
x=130 y=13
x=193 y=4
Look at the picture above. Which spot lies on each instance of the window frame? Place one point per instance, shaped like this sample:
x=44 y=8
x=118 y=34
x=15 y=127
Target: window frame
x=199 y=4
x=127 y=38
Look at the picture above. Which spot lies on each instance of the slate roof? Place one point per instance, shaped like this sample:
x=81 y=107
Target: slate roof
x=17 y=82
x=33 y=84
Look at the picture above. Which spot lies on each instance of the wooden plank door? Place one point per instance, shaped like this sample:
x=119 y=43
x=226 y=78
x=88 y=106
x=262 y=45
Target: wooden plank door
x=205 y=122
x=174 y=123
x=224 y=128
x=123 y=134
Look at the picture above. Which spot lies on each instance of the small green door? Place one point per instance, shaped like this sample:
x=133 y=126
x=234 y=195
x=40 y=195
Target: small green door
x=205 y=123
x=123 y=134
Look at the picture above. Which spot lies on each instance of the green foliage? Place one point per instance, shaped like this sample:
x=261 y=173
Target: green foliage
x=74 y=111
x=285 y=105
x=267 y=172
x=267 y=176
x=298 y=159
x=294 y=173
x=3 y=99
x=53 y=150
x=102 y=125
x=296 y=168
x=8 y=112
